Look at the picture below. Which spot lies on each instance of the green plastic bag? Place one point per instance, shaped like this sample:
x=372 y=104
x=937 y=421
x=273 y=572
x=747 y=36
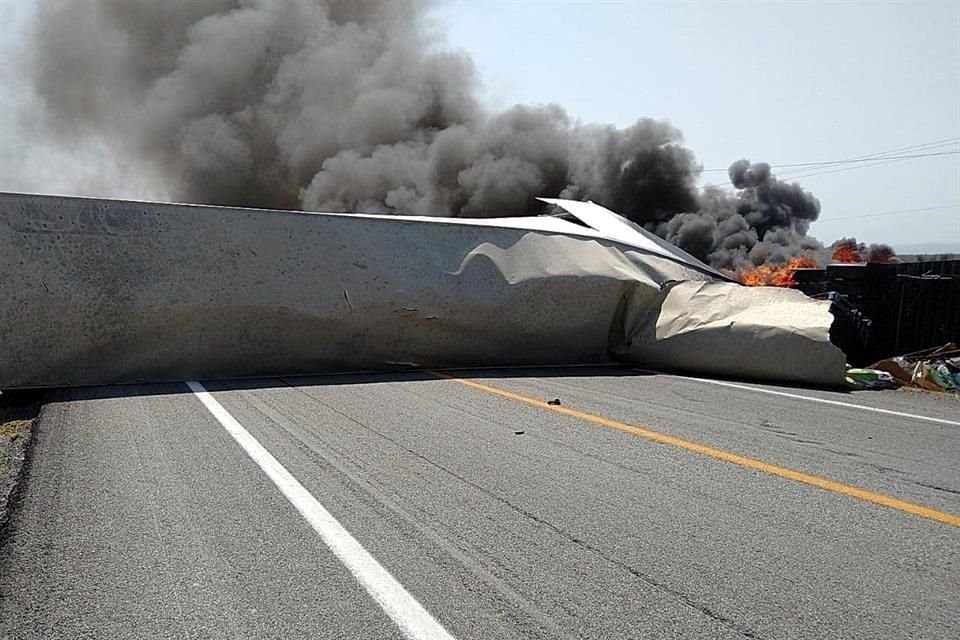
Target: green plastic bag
x=870 y=379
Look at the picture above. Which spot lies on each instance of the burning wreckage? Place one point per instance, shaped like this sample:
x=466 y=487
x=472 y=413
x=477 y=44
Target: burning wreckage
x=107 y=291
x=360 y=106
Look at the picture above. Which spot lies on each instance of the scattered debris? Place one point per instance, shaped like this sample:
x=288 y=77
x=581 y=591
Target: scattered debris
x=871 y=379
x=936 y=369
x=555 y=402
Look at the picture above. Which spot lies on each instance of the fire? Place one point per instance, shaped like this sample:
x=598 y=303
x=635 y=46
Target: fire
x=846 y=252
x=776 y=275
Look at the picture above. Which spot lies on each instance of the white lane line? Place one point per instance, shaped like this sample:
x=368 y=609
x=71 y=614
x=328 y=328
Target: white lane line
x=414 y=621
x=836 y=403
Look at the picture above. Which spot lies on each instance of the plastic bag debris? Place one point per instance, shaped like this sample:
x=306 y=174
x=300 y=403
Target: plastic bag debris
x=870 y=379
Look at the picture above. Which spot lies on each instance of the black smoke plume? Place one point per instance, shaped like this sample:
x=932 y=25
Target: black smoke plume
x=765 y=221
x=352 y=105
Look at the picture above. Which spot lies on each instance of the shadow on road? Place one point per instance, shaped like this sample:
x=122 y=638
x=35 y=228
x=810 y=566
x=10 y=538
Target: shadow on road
x=357 y=378
x=364 y=378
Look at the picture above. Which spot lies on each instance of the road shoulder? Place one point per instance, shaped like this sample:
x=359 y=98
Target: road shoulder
x=19 y=413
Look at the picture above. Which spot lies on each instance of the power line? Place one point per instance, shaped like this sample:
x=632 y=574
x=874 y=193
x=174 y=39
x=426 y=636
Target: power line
x=831 y=162
x=893 y=213
x=824 y=163
x=886 y=155
x=871 y=156
x=914 y=147
x=935 y=143
x=834 y=162
x=797 y=176
x=788 y=176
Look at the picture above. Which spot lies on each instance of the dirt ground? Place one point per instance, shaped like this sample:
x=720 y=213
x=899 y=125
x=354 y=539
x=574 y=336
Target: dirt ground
x=18 y=412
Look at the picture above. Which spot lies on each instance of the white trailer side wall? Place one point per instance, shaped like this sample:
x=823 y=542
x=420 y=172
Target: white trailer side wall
x=98 y=292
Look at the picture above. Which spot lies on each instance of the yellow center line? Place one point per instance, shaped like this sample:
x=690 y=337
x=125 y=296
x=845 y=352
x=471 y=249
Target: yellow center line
x=719 y=454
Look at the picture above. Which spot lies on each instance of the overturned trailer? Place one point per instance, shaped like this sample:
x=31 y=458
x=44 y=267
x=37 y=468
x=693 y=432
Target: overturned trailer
x=104 y=291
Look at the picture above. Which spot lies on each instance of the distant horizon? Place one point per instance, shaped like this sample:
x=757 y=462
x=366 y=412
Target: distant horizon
x=928 y=248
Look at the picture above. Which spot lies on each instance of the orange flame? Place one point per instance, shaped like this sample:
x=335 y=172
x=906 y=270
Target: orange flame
x=776 y=275
x=846 y=252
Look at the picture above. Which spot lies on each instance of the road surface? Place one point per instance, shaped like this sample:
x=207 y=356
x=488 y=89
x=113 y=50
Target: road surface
x=411 y=505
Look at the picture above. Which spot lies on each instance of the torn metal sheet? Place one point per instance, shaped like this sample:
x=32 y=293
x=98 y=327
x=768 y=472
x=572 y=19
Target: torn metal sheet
x=616 y=227
x=102 y=291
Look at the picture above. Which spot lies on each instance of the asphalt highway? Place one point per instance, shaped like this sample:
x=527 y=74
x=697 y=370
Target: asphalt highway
x=465 y=505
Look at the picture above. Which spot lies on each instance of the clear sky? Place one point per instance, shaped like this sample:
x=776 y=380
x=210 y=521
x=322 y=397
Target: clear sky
x=781 y=82
x=776 y=82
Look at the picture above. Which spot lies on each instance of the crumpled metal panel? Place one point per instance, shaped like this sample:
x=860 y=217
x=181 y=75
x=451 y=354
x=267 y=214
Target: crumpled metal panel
x=724 y=329
x=99 y=292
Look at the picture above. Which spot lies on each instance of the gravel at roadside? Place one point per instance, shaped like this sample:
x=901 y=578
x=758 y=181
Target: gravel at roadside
x=18 y=412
